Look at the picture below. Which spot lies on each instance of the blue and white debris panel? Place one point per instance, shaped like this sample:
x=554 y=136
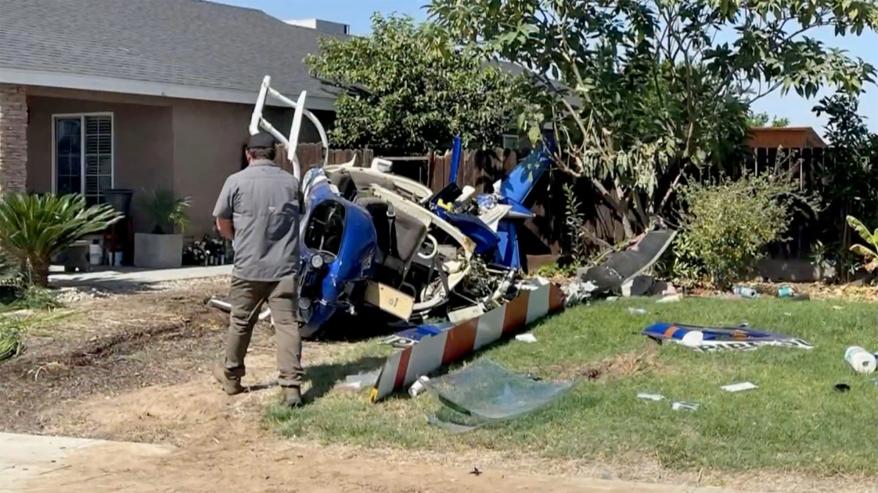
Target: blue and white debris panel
x=711 y=339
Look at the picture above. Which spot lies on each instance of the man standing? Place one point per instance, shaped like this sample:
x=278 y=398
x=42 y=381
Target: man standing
x=258 y=209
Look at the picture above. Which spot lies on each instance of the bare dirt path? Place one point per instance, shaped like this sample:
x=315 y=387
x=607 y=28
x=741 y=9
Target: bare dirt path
x=135 y=368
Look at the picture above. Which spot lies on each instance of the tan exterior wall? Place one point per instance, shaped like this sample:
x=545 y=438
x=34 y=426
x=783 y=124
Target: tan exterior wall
x=142 y=145
x=187 y=146
x=13 y=140
x=208 y=144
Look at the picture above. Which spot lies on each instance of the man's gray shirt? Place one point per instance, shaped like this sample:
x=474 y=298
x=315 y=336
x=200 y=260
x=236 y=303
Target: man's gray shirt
x=262 y=201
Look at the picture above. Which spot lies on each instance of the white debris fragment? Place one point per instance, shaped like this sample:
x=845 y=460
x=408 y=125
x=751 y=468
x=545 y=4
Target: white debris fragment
x=688 y=406
x=671 y=298
x=650 y=397
x=739 y=387
x=576 y=292
x=526 y=337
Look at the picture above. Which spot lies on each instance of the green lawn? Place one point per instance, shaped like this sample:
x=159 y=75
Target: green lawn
x=794 y=421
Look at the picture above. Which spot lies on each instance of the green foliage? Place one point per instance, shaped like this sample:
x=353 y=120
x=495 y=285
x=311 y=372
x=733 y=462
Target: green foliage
x=763 y=120
x=11 y=343
x=556 y=269
x=869 y=251
x=574 y=222
x=167 y=211
x=408 y=89
x=36 y=298
x=728 y=226
x=645 y=93
x=34 y=228
x=850 y=184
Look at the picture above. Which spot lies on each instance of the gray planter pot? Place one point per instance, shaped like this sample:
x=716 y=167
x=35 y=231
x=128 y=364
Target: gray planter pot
x=158 y=251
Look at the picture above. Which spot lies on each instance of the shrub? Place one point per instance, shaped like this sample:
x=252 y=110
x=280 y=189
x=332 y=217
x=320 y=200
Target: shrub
x=869 y=251
x=728 y=224
x=34 y=228
x=167 y=211
x=10 y=338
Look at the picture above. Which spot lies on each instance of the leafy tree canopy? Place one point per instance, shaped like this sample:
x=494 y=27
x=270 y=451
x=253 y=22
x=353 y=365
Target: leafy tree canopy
x=646 y=92
x=764 y=120
x=408 y=89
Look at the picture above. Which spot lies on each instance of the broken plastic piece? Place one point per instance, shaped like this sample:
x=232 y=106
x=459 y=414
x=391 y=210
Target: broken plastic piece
x=681 y=405
x=637 y=311
x=650 y=397
x=418 y=387
x=526 y=337
x=739 y=387
x=359 y=381
x=576 y=292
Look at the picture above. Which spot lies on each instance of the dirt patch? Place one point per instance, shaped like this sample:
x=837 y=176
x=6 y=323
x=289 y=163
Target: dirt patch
x=107 y=346
x=615 y=367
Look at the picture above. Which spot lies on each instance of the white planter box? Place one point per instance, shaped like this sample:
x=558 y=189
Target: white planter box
x=158 y=251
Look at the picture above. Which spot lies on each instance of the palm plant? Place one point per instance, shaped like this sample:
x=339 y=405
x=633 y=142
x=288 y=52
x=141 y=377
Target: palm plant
x=34 y=228
x=869 y=252
x=166 y=210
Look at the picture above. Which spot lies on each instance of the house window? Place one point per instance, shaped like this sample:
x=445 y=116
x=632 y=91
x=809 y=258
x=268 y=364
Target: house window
x=83 y=150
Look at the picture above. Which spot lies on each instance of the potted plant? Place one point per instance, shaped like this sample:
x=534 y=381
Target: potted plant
x=163 y=248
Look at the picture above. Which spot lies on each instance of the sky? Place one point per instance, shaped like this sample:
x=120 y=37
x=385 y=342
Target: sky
x=356 y=13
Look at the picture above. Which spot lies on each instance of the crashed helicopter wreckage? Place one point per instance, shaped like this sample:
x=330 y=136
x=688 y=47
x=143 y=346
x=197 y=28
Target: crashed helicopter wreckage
x=372 y=239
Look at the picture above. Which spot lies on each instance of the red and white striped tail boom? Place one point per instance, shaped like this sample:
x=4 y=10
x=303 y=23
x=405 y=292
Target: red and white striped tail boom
x=536 y=299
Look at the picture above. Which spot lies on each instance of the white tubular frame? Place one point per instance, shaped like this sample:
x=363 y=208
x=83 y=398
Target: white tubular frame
x=257 y=121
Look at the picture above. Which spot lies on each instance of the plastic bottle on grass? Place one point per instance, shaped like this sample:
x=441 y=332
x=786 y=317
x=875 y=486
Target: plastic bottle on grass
x=745 y=292
x=860 y=360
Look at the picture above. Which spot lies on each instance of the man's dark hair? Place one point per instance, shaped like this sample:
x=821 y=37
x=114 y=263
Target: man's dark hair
x=262 y=153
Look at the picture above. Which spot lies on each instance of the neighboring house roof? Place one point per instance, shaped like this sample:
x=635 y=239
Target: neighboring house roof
x=786 y=137
x=177 y=48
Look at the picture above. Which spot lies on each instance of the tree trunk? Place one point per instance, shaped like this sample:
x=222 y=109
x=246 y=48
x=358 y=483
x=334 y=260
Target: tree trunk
x=39 y=272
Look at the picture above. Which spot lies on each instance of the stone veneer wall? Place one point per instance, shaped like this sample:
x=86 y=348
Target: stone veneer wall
x=13 y=138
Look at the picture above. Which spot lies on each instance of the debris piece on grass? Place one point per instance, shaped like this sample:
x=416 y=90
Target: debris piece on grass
x=637 y=311
x=618 y=268
x=526 y=337
x=650 y=397
x=739 y=387
x=486 y=392
x=842 y=387
x=836 y=307
x=682 y=405
x=788 y=293
x=860 y=360
x=577 y=292
x=359 y=381
x=745 y=292
x=671 y=298
x=419 y=386
x=639 y=285
x=720 y=338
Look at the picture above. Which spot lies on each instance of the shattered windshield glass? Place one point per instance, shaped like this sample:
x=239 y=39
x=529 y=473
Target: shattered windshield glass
x=490 y=392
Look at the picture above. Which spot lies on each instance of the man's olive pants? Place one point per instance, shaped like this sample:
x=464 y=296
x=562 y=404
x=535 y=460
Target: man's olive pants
x=246 y=298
